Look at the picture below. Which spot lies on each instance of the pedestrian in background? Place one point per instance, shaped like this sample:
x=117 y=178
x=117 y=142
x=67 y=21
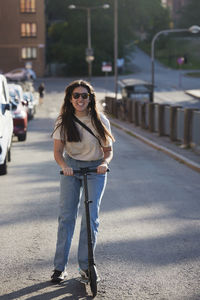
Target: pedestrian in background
x=41 y=91
x=74 y=148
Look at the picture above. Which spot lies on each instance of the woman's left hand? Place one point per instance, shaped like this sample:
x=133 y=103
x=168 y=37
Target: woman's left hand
x=102 y=168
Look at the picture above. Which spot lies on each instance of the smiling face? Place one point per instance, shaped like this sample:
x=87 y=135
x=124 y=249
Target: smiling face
x=80 y=100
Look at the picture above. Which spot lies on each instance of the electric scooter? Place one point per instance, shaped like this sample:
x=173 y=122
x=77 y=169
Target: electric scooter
x=92 y=271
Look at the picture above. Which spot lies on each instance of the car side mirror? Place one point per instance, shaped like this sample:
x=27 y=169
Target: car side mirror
x=7 y=107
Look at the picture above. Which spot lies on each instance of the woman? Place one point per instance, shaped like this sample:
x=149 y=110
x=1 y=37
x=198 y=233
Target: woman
x=81 y=148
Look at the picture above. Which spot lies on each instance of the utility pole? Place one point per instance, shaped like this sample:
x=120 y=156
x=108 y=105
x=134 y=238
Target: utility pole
x=89 y=51
x=89 y=43
x=116 y=46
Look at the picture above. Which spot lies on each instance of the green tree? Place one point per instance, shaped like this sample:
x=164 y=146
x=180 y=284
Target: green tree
x=190 y=14
x=185 y=45
x=67 y=30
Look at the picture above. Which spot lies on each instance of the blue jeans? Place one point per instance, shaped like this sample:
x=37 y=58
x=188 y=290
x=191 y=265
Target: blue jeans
x=71 y=188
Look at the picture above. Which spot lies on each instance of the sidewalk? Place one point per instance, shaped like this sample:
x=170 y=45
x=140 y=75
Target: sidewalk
x=187 y=156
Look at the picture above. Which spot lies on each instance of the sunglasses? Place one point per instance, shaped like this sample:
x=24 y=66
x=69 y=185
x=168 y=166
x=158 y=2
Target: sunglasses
x=83 y=95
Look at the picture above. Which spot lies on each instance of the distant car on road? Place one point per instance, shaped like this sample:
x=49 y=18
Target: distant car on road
x=6 y=126
x=136 y=89
x=21 y=74
x=20 y=112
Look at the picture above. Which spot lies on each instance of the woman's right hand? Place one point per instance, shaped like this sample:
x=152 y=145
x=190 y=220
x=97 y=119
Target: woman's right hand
x=67 y=171
x=58 y=154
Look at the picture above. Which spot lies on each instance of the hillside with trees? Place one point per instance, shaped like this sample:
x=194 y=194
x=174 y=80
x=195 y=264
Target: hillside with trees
x=182 y=45
x=67 y=31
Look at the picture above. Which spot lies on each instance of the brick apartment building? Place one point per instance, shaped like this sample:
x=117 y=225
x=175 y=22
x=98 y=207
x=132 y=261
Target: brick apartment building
x=22 y=35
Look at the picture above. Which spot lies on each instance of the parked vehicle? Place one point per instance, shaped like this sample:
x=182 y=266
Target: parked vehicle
x=21 y=74
x=20 y=112
x=32 y=103
x=136 y=89
x=32 y=74
x=6 y=126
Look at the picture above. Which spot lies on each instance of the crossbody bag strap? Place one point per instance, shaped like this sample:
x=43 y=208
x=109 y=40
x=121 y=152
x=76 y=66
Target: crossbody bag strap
x=87 y=128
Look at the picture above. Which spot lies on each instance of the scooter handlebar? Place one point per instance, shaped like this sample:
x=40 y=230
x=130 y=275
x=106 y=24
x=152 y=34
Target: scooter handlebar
x=86 y=170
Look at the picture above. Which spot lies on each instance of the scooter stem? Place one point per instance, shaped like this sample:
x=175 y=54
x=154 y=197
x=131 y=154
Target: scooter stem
x=87 y=212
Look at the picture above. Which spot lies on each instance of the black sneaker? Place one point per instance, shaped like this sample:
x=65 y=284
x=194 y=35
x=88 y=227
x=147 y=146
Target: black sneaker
x=58 y=276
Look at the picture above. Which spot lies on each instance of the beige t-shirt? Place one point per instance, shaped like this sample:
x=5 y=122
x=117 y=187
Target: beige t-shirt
x=88 y=149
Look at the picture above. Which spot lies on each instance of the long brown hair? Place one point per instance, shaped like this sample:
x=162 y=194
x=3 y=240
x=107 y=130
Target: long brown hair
x=65 y=120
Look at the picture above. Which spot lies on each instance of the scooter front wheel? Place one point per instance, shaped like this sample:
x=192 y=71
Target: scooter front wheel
x=93 y=280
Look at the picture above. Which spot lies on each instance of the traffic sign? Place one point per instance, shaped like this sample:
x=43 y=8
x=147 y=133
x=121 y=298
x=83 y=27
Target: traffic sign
x=106 y=67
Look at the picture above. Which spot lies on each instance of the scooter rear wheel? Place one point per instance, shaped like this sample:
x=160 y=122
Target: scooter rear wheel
x=93 y=280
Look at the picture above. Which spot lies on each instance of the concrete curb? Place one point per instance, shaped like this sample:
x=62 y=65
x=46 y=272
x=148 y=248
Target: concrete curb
x=180 y=158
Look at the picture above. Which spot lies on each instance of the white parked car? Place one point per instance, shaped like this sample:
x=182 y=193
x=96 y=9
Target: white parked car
x=6 y=126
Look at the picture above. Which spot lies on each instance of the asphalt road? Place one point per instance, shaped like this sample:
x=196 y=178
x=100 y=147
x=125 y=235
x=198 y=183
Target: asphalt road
x=149 y=238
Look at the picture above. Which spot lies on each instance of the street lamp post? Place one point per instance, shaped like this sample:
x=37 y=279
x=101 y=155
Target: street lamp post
x=89 y=50
x=192 y=29
x=116 y=46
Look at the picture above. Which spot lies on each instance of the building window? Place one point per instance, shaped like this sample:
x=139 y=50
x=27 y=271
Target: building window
x=29 y=53
x=28 y=30
x=27 y=6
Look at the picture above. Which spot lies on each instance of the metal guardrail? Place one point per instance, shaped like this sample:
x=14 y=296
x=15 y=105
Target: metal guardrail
x=179 y=124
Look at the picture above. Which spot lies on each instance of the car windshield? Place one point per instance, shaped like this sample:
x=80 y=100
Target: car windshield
x=18 y=94
x=12 y=93
x=27 y=97
x=141 y=89
x=14 y=96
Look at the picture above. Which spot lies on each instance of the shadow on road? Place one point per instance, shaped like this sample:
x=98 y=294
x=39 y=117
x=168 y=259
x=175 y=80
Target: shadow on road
x=70 y=289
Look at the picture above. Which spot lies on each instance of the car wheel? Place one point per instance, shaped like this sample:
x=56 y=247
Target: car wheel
x=22 y=137
x=3 y=167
